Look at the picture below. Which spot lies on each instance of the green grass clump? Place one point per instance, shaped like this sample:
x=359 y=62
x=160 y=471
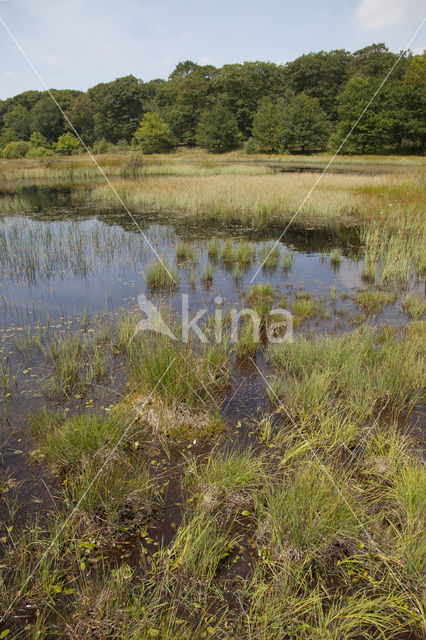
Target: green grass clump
x=261 y=297
x=104 y=479
x=161 y=277
x=225 y=479
x=373 y=301
x=269 y=256
x=244 y=254
x=288 y=261
x=66 y=441
x=213 y=249
x=77 y=361
x=360 y=371
x=118 y=491
x=227 y=253
x=415 y=307
x=125 y=329
x=207 y=275
x=335 y=257
x=201 y=544
x=185 y=251
x=304 y=307
x=306 y=518
x=248 y=342
x=181 y=372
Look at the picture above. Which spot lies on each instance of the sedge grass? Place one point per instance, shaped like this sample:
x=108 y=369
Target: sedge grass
x=67 y=440
x=361 y=370
x=261 y=297
x=415 y=307
x=373 y=301
x=188 y=374
x=288 y=261
x=201 y=544
x=207 y=275
x=248 y=342
x=305 y=517
x=161 y=277
x=244 y=254
x=304 y=307
x=269 y=256
x=335 y=257
x=227 y=254
x=213 y=249
x=185 y=251
x=224 y=478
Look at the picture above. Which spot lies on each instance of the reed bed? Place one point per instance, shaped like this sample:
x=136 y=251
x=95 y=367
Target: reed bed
x=339 y=199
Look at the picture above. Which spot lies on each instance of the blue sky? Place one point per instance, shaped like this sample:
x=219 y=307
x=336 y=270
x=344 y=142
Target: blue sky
x=78 y=43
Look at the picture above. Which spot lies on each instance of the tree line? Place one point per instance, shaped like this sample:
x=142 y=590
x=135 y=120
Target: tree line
x=307 y=105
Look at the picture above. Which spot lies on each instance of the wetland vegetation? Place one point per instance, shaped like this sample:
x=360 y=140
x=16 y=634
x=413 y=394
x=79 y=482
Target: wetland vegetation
x=154 y=488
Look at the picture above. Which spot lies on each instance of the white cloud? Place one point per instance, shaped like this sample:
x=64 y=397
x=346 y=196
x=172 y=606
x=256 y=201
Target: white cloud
x=418 y=50
x=378 y=14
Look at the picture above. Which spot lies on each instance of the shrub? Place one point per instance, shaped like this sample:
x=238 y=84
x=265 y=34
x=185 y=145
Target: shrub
x=154 y=134
x=38 y=152
x=37 y=139
x=100 y=146
x=68 y=144
x=250 y=146
x=16 y=149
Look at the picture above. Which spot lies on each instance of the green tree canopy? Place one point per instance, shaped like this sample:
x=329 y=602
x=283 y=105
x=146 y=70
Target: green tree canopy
x=153 y=134
x=304 y=125
x=242 y=86
x=374 y=130
x=320 y=75
x=17 y=123
x=183 y=97
x=37 y=139
x=118 y=108
x=81 y=116
x=374 y=61
x=266 y=130
x=217 y=130
x=341 y=82
x=46 y=118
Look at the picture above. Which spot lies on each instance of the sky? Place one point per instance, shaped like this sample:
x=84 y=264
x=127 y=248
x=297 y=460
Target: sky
x=76 y=44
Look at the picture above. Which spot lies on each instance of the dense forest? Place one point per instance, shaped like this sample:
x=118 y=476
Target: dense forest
x=307 y=105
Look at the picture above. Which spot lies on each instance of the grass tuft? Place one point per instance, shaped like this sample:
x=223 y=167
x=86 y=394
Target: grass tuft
x=372 y=301
x=161 y=277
